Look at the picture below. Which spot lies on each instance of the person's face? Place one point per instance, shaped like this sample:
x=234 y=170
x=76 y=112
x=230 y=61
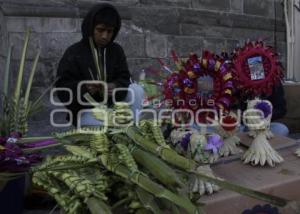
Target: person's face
x=103 y=34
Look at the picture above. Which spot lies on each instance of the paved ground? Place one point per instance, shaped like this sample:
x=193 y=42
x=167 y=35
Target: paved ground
x=295 y=136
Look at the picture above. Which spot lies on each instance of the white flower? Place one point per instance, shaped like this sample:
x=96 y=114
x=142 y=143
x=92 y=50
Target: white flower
x=12 y=140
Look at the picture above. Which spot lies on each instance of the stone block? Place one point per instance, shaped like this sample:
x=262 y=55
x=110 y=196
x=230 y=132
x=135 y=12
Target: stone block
x=184 y=45
x=282 y=51
x=46 y=72
x=124 y=2
x=42 y=24
x=38 y=10
x=280 y=36
x=205 y=31
x=44 y=75
x=224 y=19
x=236 y=6
x=260 y=8
x=253 y=22
x=17 y=40
x=2 y=70
x=3 y=35
x=53 y=45
x=284 y=65
x=279 y=10
x=42 y=3
x=198 y=17
x=232 y=44
x=220 y=5
x=156 y=20
x=156 y=45
x=129 y=28
x=133 y=44
x=83 y=6
x=214 y=45
x=172 y=3
x=14 y=68
x=252 y=34
x=118 y=2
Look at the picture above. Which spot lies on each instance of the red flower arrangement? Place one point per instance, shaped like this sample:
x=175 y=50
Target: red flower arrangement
x=270 y=71
x=183 y=84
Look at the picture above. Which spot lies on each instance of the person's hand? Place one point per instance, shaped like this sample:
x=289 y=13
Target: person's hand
x=110 y=88
x=93 y=88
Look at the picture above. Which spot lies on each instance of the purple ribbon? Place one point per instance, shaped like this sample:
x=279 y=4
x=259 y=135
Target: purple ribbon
x=197 y=68
x=225 y=101
x=223 y=69
x=38 y=144
x=211 y=64
x=228 y=84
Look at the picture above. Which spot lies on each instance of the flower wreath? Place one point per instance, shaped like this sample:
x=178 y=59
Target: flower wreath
x=257 y=69
x=183 y=84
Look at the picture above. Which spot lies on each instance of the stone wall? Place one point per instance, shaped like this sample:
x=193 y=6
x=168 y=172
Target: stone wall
x=151 y=28
x=292 y=118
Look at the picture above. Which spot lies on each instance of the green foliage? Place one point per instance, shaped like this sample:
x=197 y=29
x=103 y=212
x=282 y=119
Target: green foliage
x=16 y=106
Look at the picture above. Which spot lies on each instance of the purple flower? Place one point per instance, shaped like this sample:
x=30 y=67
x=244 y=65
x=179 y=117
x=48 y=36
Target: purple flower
x=184 y=142
x=13 y=159
x=264 y=107
x=214 y=143
x=3 y=140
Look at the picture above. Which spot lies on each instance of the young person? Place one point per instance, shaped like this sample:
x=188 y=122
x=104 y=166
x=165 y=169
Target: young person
x=101 y=24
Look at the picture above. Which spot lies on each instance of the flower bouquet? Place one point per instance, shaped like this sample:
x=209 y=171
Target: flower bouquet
x=199 y=147
x=258 y=122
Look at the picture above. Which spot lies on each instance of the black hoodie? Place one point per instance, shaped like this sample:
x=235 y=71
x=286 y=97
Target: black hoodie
x=77 y=62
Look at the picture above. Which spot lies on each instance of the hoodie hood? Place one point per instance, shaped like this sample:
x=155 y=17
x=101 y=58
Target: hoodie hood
x=87 y=26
